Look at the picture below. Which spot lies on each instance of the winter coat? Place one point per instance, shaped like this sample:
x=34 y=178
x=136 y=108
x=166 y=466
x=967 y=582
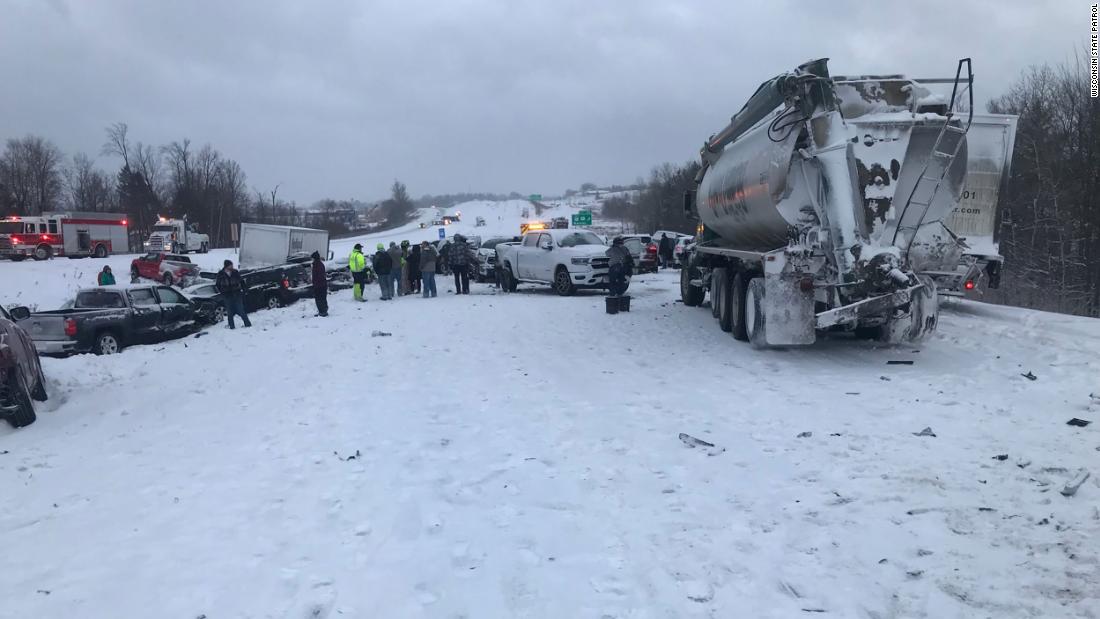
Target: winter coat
x=666 y=245
x=395 y=257
x=320 y=282
x=229 y=284
x=619 y=255
x=459 y=255
x=106 y=278
x=357 y=261
x=413 y=259
x=427 y=259
x=382 y=262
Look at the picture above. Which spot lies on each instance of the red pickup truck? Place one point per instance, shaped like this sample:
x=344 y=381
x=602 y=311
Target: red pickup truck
x=165 y=268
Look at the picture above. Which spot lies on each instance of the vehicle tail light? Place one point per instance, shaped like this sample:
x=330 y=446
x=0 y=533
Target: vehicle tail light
x=15 y=240
x=651 y=248
x=70 y=327
x=969 y=285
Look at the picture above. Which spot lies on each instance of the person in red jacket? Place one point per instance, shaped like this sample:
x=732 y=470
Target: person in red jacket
x=320 y=285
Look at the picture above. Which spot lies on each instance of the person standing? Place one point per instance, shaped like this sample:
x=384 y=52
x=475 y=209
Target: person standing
x=106 y=277
x=397 y=261
x=383 y=264
x=428 y=257
x=403 y=286
x=413 y=263
x=621 y=264
x=459 y=258
x=320 y=284
x=232 y=289
x=357 y=263
x=664 y=250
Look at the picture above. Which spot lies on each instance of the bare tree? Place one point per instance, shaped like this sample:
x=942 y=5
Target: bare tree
x=30 y=170
x=88 y=188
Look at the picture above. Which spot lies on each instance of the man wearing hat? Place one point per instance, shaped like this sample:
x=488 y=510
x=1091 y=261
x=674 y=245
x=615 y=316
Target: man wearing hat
x=621 y=264
x=232 y=287
x=383 y=267
x=357 y=263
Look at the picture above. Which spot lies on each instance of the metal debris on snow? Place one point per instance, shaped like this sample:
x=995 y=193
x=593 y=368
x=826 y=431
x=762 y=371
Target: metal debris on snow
x=926 y=432
x=1075 y=483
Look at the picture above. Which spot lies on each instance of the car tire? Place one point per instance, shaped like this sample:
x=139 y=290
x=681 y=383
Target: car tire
x=167 y=279
x=17 y=258
x=737 y=295
x=101 y=251
x=107 y=343
x=755 y=325
x=509 y=281
x=692 y=296
x=717 y=277
x=219 y=313
x=19 y=398
x=43 y=252
x=273 y=302
x=563 y=284
x=38 y=394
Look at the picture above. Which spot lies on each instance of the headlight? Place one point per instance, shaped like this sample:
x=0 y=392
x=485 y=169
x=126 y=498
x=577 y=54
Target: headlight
x=580 y=260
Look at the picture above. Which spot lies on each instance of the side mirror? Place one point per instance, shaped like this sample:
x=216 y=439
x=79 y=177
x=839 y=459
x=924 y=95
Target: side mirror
x=20 y=313
x=331 y=255
x=548 y=247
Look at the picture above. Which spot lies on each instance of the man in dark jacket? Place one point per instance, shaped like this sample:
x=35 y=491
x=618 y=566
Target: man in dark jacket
x=413 y=264
x=665 y=248
x=459 y=257
x=397 y=260
x=621 y=265
x=232 y=288
x=320 y=285
x=383 y=267
x=428 y=257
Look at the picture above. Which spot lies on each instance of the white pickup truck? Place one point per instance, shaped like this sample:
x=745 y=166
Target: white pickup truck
x=567 y=260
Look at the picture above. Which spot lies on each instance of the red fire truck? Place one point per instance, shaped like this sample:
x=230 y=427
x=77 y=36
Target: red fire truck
x=75 y=235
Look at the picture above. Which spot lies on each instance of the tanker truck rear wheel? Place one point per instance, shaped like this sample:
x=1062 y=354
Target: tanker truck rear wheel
x=754 y=313
x=717 y=279
x=692 y=296
x=737 y=306
x=725 y=304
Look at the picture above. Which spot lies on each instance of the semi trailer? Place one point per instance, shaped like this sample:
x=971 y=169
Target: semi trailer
x=822 y=205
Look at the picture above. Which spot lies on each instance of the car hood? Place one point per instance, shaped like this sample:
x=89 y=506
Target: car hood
x=583 y=251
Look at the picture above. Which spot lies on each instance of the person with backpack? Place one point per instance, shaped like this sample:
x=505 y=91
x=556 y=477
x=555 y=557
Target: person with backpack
x=106 y=277
x=428 y=257
x=320 y=284
x=383 y=266
x=232 y=288
x=357 y=263
x=460 y=256
x=621 y=265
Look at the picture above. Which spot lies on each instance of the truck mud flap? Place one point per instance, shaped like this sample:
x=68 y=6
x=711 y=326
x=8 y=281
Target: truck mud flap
x=788 y=309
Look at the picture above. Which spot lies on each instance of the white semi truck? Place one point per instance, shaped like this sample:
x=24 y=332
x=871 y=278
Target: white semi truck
x=822 y=206
x=176 y=236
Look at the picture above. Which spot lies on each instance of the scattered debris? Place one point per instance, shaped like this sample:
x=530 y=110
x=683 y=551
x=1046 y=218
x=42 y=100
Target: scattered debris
x=1001 y=457
x=899 y=362
x=805 y=434
x=1044 y=521
x=4 y=452
x=1023 y=464
x=1075 y=483
x=986 y=509
x=914 y=573
x=928 y=432
x=851 y=393
x=377 y=333
x=885 y=378
x=43 y=591
x=352 y=457
x=691 y=441
x=924 y=553
x=836 y=434
x=1030 y=376
x=881 y=561
x=197 y=336
x=813 y=610
x=1078 y=423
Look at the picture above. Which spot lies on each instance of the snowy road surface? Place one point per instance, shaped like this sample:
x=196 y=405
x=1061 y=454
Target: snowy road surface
x=517 y=456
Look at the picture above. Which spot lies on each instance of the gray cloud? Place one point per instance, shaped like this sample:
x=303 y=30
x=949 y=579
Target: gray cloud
x=337 y=98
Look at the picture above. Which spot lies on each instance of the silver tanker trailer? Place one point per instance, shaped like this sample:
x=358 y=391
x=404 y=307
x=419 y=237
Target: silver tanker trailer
x=822 y=206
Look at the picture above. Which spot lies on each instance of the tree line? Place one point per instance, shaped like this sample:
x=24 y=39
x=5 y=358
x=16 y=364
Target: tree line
x=174 y=180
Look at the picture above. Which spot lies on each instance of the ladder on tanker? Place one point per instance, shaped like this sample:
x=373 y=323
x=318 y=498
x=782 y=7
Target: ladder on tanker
x=928 y=184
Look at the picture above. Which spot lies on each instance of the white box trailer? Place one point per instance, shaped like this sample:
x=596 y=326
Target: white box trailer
x=265 y=244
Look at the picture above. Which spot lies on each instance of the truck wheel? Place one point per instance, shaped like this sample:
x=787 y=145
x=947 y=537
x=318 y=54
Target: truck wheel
x=17 y=258
x=563 y=285
x=38 y=394
x=755 y=326
x=100 y=251
x=692 y=296
x=510 y=284
x=43 y=252
x=107 y=343
x=725 y=306
x=737 y=306
x=20 y=408
x=717 y=276
x=167 y=279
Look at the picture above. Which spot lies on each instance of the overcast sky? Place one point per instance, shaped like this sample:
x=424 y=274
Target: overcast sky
x=336 y=98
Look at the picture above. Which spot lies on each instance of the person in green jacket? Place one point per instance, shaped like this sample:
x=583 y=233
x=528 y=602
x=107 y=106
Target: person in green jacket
x=357 y=263
x=106 y=277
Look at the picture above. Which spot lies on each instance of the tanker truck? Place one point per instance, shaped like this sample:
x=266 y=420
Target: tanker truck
x=821 y=207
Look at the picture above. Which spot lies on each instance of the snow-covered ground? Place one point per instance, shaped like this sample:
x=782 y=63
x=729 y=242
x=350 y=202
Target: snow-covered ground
x=518 y=456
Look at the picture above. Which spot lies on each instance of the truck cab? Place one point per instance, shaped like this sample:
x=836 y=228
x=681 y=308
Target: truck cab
x=176 y=236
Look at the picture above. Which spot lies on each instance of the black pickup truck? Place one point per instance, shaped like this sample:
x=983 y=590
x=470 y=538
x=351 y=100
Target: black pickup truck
x=104 y=320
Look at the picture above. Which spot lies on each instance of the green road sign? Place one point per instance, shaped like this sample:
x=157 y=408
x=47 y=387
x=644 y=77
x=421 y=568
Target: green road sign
x=582 y=218
x=535 y=197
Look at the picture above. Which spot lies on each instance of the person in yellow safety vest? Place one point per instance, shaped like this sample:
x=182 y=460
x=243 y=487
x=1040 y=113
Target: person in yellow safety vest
x=357 y=263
